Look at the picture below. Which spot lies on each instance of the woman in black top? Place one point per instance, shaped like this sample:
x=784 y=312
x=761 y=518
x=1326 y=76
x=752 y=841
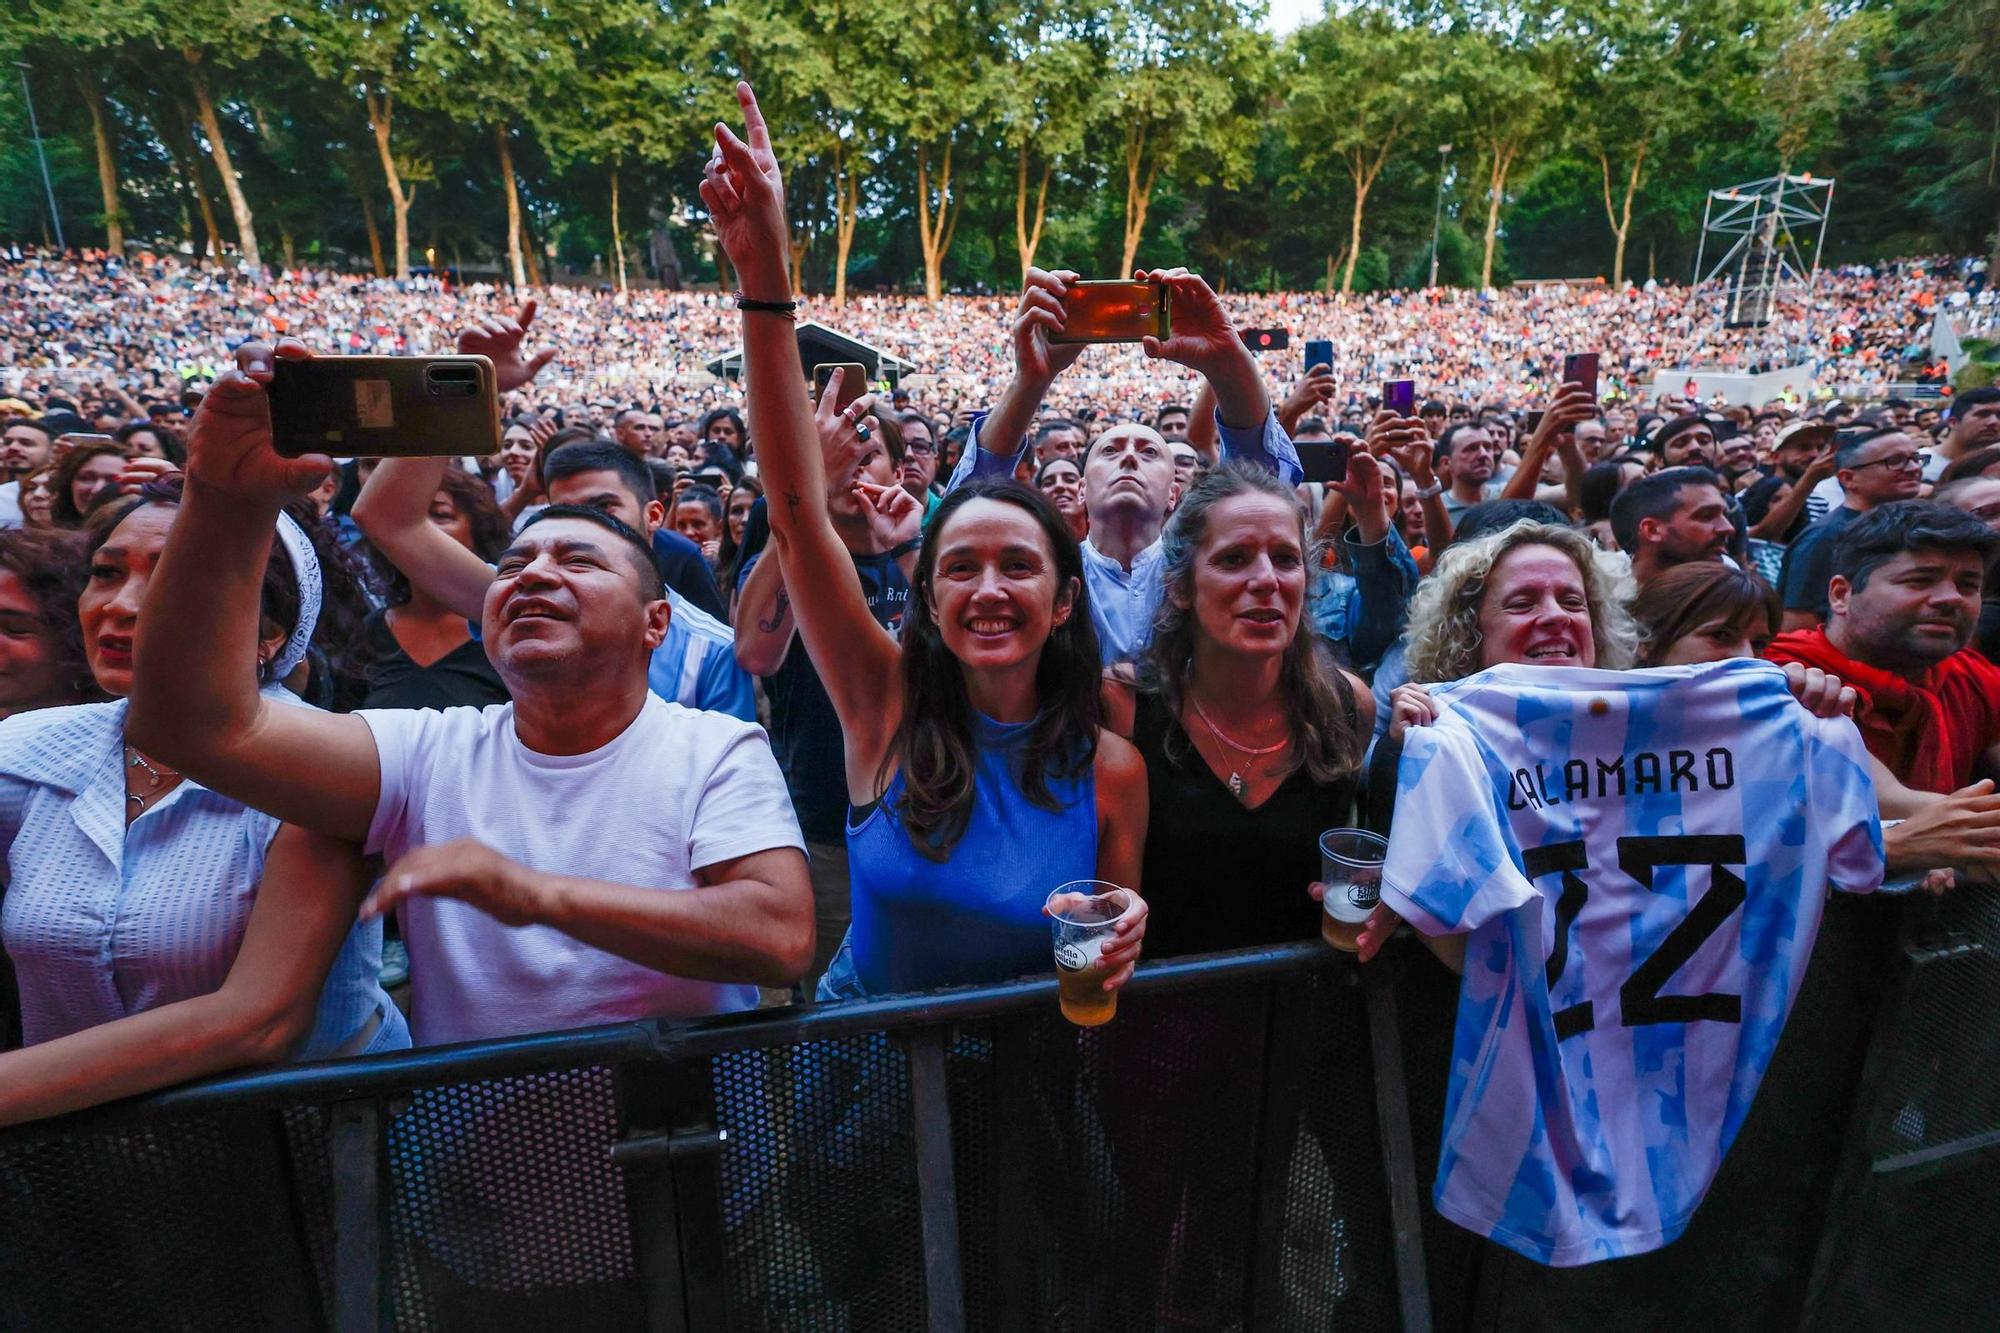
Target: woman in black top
x=1252 y=738
x=419 y=653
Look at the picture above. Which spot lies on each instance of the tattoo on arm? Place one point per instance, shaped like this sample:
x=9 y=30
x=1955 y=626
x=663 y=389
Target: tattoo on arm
x=771 y=623
x=792 y=501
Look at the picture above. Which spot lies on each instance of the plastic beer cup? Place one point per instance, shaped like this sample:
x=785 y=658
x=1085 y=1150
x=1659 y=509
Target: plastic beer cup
x=1350 y=868
x=1085 y=914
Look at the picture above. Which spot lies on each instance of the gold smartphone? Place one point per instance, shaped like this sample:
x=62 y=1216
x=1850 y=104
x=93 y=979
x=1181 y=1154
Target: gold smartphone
x=1120 y=311
x=385 y=406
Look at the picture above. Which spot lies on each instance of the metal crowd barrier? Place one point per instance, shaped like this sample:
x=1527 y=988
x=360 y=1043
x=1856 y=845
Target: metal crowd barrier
x=1248 y=1145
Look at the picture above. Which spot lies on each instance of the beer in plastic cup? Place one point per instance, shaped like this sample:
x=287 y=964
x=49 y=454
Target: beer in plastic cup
x=1085 y=915
x=1350 y=868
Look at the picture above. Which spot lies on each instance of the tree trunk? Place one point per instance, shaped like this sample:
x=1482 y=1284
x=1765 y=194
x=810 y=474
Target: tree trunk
x=1138 y=195
x=800 y=246
x=934 y=234
x=360 y=179
x=381 y=116
x=1621 y=220
x=1363 y=173
x=617 y=234
x=286 y=250
x=846 y=212
x=515 y=265
x=1029 y=239
x=176 y=134
x=239 y=206
x=1502 y=162
x=107 y=164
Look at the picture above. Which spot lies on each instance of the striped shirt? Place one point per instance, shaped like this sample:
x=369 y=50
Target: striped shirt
x=1641 y=859
x=102 y=920
x=695 y=665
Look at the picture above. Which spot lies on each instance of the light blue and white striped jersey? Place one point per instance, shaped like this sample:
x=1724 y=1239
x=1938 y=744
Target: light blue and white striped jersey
x=1641 y=859
x=695 y=665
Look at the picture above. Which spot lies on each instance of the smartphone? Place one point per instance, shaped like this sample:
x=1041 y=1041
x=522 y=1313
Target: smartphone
x=385 y=406
x=853 y=381
x=1115 y=312
x=1319 y=352
x=1581 y=368
x=1531 y=421
x=1323 y=460
x=1400 y=397
x=83 y=440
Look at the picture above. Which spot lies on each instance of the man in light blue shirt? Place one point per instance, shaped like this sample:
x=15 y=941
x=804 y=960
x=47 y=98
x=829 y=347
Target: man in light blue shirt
x=1128 y=472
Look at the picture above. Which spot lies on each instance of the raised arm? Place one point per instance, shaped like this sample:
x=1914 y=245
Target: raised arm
x=856 y=659
x=1573 y=403
x=195 y=703
x=998 y=439
x=259 y=1015
x=1206 y=342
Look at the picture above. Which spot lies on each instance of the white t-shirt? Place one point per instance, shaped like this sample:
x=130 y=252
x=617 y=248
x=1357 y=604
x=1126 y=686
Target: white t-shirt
x=677 y=791
x=10 y=504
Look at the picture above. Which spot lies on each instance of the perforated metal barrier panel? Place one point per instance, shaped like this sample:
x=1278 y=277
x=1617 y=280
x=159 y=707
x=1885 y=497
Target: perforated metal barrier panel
x=1219 y=1156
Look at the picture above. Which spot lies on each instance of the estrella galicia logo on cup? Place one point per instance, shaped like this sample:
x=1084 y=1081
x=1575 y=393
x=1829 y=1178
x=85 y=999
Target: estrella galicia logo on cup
x=1070 y=957
x=1364 y=895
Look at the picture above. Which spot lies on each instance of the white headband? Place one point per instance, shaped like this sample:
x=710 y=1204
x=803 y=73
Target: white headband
x=305 y=569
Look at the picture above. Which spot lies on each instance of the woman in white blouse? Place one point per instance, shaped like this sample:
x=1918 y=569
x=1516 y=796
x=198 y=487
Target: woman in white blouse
x=158 y=931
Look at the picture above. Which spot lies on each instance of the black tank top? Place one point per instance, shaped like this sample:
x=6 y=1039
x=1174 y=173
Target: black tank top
x=1217 y=874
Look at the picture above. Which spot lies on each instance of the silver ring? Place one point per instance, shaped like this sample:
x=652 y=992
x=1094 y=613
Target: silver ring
x=864 y=430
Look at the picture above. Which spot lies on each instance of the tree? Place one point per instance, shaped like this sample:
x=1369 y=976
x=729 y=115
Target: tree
x=1186 y=82
x=1045 y=104
x=1357 y=85
x=1502 y=93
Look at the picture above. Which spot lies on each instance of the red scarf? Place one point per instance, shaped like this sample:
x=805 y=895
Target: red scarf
x=1927 y=732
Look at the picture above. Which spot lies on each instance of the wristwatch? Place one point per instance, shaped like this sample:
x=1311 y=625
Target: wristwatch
x=1426 y=492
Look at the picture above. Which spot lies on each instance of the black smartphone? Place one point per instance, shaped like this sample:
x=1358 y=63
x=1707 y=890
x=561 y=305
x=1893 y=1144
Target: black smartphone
x=1532 y=421
x=1323 y=460
x=1319 y=352
x=1581 y=368
x=1265 y=340
x=1400 y=397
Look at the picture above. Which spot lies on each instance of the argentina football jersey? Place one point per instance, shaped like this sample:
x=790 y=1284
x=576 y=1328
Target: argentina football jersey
x=1641 y=859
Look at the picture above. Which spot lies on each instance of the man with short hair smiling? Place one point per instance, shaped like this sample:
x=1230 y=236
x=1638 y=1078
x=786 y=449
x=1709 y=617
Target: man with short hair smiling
x=584 y=854
x=1874 y=468
x=1904 y=594
x=1673 y=517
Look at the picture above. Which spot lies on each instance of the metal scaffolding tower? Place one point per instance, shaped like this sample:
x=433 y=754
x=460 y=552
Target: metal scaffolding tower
x=1764 y=221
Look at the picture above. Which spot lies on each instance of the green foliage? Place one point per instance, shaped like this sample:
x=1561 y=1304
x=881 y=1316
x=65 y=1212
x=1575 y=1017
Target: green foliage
x=1177 y=130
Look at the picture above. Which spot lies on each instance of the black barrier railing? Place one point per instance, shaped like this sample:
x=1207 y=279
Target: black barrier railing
x=1247 y=1145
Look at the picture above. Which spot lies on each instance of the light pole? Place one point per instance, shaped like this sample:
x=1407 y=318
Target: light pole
x=1437 y=213
x=36 y=131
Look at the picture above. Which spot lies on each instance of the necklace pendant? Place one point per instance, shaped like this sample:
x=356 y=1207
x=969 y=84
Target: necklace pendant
x=1236 y=785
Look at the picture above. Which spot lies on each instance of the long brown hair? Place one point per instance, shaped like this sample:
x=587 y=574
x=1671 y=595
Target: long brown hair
x=934 y=742
x=1326 y=740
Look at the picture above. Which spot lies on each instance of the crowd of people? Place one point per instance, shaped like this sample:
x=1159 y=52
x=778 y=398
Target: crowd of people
x=653 y=713
x=93 y=325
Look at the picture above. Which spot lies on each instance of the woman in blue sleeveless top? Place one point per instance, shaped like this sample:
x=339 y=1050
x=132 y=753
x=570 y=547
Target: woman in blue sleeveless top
x=978 y=776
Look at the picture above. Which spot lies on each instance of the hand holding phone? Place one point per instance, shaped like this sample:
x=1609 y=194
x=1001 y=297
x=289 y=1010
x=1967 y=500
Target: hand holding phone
x=1319 y=352
x=1581 y=368
x=1400 y=397
x=853 y=382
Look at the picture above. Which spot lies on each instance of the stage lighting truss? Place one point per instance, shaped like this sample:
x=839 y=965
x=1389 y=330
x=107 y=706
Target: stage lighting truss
x=1770 y=226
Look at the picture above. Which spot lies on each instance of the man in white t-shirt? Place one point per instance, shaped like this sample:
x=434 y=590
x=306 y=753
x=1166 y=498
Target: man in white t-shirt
x=588 y=853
